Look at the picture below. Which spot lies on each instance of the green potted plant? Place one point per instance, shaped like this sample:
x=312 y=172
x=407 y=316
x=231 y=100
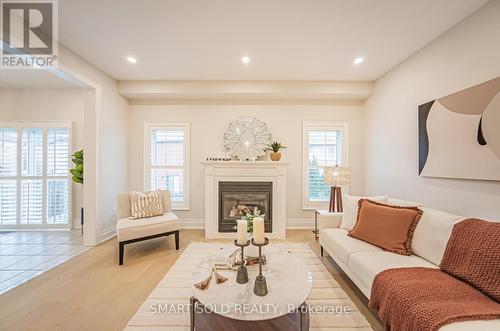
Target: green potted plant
x=275 y=147
x=77 y=171
x=250 y=216
x=77 y=174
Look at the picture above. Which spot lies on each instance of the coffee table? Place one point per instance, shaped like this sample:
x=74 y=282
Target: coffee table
x=233 y=306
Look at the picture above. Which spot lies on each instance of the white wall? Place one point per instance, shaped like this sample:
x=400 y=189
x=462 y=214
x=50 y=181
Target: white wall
x=207 y=126
x=49 y=105
x=105 y=140
x=466 y=55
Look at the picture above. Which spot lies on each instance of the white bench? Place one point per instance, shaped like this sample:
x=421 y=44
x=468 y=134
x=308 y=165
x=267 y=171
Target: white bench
x=133 y=230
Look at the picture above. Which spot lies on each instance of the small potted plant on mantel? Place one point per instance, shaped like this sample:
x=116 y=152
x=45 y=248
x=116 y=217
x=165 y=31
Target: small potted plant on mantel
x=275 y=147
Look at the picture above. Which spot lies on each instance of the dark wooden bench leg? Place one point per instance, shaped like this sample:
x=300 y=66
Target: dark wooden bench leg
x=121 y=244
x=177 y=240
x=321 y=251
x=120 y=255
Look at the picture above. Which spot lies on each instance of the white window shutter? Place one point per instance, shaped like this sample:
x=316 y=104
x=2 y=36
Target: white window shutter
x=34 y=176
x=31 y=201
x=57 y=151
x=32 y=152
x=57 y=201
x=8 y=202
x=8 y=152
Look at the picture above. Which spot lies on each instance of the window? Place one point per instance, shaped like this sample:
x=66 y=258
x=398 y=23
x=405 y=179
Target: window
x=324 y=144
x=167 y=161
x=34 y=178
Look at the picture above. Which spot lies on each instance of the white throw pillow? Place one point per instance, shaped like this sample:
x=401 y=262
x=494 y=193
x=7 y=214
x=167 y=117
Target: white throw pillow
x=144 y=205
x=432 y=233
x=350 y=206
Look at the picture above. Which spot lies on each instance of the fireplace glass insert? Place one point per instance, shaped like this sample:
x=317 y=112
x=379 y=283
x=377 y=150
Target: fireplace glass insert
x=238 y=198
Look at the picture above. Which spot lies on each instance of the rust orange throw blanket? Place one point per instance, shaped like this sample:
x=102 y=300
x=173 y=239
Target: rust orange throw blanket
x=427 y=299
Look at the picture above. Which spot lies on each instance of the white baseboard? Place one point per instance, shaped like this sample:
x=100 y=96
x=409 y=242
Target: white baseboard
x=290 y=223
x=108 y=233
x=76 y=223
x=299 y=224
x=192 y=223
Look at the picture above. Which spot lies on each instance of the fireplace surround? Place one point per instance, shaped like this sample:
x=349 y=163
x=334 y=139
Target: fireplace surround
x=248 y=174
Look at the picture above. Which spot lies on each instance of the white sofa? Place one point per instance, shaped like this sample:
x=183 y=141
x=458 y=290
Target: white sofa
x=362 y=261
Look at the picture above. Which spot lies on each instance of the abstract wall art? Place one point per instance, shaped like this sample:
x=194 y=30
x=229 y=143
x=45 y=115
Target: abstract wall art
x=459 y=135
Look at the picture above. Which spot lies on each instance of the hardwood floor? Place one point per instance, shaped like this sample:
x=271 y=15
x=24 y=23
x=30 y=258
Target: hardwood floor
x=91 y=292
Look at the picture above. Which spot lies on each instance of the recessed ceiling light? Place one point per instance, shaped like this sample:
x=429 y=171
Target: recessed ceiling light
x=358 y=60
x=131 y=59
x=245 y=60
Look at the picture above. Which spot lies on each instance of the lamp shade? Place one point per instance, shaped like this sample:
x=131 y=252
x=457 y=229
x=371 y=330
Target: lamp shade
x=337 y=176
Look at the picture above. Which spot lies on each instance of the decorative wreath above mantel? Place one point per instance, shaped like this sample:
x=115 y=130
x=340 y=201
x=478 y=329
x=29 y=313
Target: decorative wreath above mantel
x=247 y=139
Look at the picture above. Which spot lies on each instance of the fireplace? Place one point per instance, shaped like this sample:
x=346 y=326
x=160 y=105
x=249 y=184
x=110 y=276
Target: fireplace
x=237 y=198
x=237 y=174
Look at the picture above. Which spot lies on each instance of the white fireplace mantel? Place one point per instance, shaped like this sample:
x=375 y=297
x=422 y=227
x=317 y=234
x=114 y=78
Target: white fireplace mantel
x=245 y=171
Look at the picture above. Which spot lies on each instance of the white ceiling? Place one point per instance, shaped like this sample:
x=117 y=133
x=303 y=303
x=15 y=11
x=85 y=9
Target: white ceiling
x=285 y=39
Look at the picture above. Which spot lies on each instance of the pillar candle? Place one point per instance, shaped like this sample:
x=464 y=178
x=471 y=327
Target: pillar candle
x=242 y=232
x=258 y=230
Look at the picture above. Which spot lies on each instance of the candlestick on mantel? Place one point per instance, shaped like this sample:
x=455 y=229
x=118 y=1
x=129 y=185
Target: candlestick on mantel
x=258 y=230
x=242 y=226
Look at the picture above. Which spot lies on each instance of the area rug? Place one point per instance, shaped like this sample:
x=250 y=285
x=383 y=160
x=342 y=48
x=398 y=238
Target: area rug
x=175 y=288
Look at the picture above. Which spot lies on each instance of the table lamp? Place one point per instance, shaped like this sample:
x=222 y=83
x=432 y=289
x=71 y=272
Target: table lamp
x=336 y=177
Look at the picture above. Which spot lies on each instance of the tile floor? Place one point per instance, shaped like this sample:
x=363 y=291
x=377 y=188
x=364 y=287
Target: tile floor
x=26 y=254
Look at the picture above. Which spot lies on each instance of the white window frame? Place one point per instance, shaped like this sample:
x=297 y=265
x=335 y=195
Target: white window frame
x=314 y=125
x=19 y=126
x=186 y=127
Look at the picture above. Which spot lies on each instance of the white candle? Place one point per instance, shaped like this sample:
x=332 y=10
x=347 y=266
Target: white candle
x=242 y=232
x=258 y=230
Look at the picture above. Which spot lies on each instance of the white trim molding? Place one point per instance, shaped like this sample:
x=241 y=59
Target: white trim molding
x=195 y=223
x=108 y=233
x=293 y=223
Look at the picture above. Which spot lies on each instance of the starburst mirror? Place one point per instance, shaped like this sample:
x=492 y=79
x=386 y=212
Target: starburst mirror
x=247 y=139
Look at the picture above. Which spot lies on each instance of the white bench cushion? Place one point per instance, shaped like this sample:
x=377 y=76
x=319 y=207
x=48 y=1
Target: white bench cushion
x=127 y=229
x=343 y=245
x=366 y=265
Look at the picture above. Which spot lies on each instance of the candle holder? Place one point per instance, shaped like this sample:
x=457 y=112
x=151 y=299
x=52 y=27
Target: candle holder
x=242 y=275
x=260 y=287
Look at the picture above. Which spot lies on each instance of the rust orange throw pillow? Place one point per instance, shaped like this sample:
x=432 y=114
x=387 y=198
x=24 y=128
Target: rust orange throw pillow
x=385 y=226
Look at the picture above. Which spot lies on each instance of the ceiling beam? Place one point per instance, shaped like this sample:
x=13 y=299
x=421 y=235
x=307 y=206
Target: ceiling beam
x=245 y=90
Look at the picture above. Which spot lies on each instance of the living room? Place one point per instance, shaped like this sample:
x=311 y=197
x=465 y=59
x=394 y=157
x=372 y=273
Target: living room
x=184 y=165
